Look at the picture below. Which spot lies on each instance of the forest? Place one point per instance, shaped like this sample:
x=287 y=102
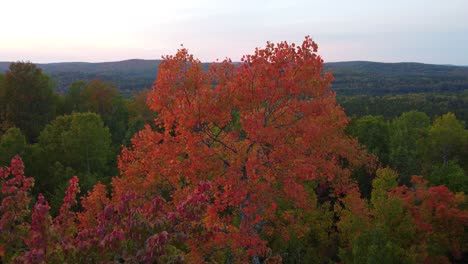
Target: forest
x=351 y=78
x=279 y=158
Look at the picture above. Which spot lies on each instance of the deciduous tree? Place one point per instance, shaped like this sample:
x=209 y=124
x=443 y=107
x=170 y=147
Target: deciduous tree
x=80 y=141
x=12 y=143
x=262 y=133
x=14 y=208
x=407 y=136
x=448 y=140
x=28 y=100
x=76 y=144
x=102 y=98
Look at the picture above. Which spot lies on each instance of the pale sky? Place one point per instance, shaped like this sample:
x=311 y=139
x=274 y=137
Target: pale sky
x=429 y=31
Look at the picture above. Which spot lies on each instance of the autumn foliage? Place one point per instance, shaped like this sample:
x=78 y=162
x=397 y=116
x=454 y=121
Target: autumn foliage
x=241 y=160
x=262 y=134
x=420 y=224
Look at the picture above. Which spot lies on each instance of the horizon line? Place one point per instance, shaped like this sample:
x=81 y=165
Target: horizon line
x=204 y=62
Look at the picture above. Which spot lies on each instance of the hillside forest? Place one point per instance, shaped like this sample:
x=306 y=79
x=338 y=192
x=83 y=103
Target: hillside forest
x=279 y=158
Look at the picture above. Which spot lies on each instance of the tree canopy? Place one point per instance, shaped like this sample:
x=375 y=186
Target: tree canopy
x=28 y=101
x=241 y=162
x=262 y=134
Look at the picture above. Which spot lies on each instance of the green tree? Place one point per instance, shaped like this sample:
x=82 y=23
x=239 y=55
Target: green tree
x=77 y=144
x=382 y=231
x=447 y=140
x=101 y=98
x=139 y=114
x=4 y=125
x=451 y=175
x=446 y=153
x=73 y=99
x=407 y=133
x=80 y=141
x=373 y=132
x=12 y=143
x=28 y=101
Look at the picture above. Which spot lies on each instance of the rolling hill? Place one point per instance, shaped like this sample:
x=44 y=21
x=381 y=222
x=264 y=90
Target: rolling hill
x=128 y=75
x=351 y=78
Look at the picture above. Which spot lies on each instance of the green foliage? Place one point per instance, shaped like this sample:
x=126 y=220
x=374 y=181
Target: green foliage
x=12 y=143
x=60 y=175
x=80 y=141
x=385 y=180
x=117 y=121
x=139 y=114
x=373 y=246
x=382 y=231
x=410 y=145
x=451 y=175
x=138 y=109
x=101 y=98
x=445 y=153
x=76 y=144
x=373 y=78
x=73 y=99
x=129 y=75
x=391 y=106
x=407 y=134
x=3 y=122
x=373 y=132
x=447 y=140
x=363 y=178
x=28 y=101
x=351 y=78
x=317 y=245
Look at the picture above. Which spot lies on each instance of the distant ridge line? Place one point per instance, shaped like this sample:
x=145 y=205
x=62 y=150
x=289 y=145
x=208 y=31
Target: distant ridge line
x=351 y=77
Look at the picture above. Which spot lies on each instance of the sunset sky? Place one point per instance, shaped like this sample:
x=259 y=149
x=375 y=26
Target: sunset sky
x=90 y=30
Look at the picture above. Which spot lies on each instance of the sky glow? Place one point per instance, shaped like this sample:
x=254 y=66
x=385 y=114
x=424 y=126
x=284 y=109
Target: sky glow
x=101 y=30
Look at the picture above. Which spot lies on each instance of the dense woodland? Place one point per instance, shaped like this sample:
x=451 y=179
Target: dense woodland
x=351 y=78
x=254 y=162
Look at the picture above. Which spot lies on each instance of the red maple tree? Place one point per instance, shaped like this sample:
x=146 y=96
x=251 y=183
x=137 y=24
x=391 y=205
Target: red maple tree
x=263 y=134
